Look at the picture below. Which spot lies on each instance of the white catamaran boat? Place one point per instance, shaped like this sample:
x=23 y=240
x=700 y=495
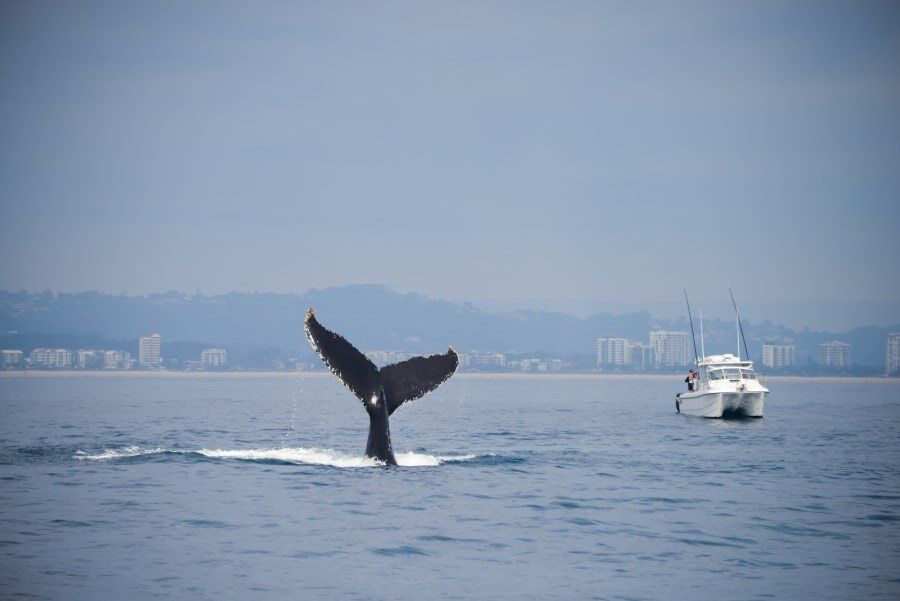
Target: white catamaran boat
x=726 y=385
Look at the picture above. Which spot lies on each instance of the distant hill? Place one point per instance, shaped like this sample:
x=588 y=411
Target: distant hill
x=370 y=315
x=374 y=316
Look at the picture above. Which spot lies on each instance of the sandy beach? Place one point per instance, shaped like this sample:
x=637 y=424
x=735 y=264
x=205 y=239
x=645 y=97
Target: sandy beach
x=466 y=375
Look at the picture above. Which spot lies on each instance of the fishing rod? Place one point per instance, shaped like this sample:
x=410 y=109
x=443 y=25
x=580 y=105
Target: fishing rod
x=740 y=327
x=693 y=338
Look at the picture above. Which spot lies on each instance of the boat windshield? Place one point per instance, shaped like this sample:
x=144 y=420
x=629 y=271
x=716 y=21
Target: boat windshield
x=731 y=373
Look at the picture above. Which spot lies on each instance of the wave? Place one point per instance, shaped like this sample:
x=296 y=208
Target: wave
x=291 y=455
x=133 y=451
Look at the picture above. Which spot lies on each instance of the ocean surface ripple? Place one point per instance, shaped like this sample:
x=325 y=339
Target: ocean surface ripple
x=245 y=488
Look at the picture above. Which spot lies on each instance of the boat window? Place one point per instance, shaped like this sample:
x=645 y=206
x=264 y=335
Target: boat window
x=733 y=374
x=716 y=374
x=748 y=374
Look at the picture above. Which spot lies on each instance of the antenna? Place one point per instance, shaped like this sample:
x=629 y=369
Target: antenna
x=740 y=328
x=693 y=338
x=702 y=348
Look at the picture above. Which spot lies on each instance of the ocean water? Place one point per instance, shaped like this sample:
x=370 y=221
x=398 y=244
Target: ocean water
x=257 y=488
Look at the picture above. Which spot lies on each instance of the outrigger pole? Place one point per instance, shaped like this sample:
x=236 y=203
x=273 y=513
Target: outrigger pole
x=702 y=347
x=693 y=338
x=740 y=327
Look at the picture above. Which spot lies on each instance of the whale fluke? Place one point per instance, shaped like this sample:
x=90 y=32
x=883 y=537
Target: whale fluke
x=349 y=365
x=408 y=380
x=383 y=390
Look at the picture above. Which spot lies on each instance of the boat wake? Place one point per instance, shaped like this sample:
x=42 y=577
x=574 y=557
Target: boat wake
x=287 y=455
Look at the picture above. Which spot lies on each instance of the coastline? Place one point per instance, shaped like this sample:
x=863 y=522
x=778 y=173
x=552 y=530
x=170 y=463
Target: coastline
x=465 y=375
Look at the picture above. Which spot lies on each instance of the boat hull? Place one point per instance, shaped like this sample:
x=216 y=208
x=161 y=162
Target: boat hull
x=718 y=404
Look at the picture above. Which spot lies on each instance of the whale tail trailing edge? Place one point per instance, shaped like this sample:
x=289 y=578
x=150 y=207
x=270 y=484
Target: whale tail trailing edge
x=349 y=365
x=397 y=383
x=408 y=380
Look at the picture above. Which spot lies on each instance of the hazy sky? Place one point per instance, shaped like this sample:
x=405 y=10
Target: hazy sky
x=458 y=149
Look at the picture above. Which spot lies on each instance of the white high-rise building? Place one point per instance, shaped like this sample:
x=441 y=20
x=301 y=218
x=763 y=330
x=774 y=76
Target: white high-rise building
x=149 y=351
x=490 y=360
x=612 y=351
x=641 y=356
x=214 y=357
x=117 y=360
x=11 y=358
x=672 y=348
x=777 y=356
x=835 y=354
x=58 y=358
x=893 y=353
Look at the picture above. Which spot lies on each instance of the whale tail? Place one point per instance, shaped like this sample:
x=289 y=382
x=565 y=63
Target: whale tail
x=397 y=384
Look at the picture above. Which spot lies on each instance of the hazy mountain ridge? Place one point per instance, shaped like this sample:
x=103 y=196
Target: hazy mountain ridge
x=374 y=316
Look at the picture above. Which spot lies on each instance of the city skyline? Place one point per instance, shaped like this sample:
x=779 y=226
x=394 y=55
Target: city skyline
x=251 y=323
x=666 y=351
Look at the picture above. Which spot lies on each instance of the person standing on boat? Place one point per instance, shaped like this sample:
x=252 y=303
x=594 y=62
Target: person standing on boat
x=691 y=380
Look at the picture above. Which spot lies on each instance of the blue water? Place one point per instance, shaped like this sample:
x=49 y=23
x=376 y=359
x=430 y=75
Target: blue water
x=252 y=487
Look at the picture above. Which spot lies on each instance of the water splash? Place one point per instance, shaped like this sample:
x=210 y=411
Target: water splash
x=290 y=434
x=133 y=451
x=418 y=460
x=293 y=455
x=460 y=403
x=298 y=455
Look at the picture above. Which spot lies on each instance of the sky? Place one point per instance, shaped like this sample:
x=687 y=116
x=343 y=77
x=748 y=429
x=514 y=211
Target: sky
x=611 y=151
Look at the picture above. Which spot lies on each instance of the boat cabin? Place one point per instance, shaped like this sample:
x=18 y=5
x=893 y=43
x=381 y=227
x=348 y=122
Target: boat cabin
x=726 y=368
